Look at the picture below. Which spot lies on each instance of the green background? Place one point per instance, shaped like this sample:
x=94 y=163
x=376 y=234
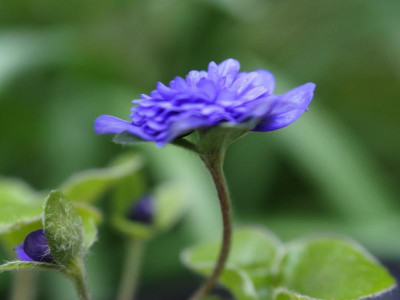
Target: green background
x=337 y=169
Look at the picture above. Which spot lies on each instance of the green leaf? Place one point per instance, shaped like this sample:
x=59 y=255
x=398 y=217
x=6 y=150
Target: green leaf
x=127 y=191
x=135 y=230
x=253 y=250
x=19 y=204
x=89 y=185
x=63 y=229
x=238 y=282
x=17 y=234
x=170 y=204
x=284 y=294
x=331 y=268
x=90 y=218
x=250 y=261
x=17 y=231
x=26 y=265
x=125 y=138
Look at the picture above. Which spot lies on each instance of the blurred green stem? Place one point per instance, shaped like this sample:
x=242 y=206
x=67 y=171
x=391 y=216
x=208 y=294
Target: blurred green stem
x=132 y=263
x=24 y=286
x=214 y=163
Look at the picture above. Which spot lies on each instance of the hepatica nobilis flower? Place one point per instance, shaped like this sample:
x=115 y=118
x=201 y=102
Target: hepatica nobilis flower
x=34 y=248
x=205 y=99
x=143 y=210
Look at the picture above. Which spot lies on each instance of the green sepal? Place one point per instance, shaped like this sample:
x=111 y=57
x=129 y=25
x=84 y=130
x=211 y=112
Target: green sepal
x=219 y=138
x=89 y=185
x=63 y=229
x=28 y=265
x=125 y=138
x=331 y=268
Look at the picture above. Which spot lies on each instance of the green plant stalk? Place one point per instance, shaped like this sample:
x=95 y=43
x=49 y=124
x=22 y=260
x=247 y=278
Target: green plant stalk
x=24 y=285
x=130 y=276
x=214 y=163
x=76 y=272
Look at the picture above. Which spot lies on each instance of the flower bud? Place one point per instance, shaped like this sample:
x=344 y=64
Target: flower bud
x=143 y=210
x=34 y=248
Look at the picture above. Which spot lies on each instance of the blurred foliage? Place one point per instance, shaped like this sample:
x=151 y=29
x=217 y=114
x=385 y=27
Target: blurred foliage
x=336 y=169
x=260 y=267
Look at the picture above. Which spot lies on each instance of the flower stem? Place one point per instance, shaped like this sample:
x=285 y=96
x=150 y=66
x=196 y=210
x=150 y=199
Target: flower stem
x=214 y=163
x=77 y=275
x=130 y=276
x=24 y=286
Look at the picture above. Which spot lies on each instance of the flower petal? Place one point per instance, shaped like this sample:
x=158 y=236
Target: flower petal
x=259 y=108
x=36 y=247
x=183 y=126
x=19 y=250
x=228 y=69
x=265 y=79
x=109 y=124
x=288 y=108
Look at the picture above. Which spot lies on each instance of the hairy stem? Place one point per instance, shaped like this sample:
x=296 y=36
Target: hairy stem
x=214 y=163
x=81 y=288
x=130 y=276
x=24 y=286
x=77 y=274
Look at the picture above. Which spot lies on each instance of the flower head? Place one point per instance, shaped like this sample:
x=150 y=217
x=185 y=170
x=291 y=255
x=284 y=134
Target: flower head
x=142 y=211
x=34 y=248
x=205 y=99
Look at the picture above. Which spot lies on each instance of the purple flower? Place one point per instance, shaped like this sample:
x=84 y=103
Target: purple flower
x=206 y=99
x=142 y=211
x=34 y=248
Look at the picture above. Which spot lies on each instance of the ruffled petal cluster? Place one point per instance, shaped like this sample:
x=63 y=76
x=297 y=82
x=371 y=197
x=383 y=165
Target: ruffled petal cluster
x=204 y=99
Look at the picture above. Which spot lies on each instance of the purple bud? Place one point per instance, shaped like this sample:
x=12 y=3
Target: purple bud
x=34 y=248
x=142 y=211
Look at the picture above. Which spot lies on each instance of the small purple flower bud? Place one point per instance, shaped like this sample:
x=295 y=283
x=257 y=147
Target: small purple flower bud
x=142 y=211
x=34 y=248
